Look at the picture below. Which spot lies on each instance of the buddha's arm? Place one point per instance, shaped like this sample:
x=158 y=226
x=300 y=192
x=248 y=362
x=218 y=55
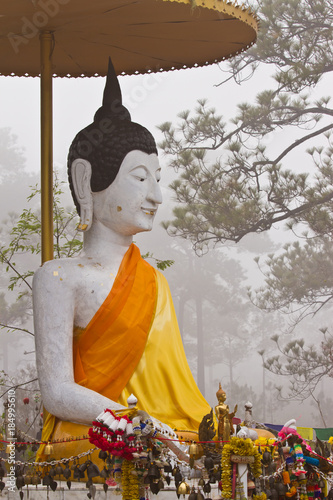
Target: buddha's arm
x=54 y=303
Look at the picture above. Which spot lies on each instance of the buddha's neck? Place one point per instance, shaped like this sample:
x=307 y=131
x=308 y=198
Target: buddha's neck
x=104 y=245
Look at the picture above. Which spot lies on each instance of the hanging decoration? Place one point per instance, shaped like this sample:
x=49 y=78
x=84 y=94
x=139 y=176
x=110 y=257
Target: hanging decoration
x=141 y=457
x=238 y=447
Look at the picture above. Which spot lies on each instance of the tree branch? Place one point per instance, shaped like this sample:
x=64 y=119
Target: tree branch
x=18 y=385
x=4 y=259
x=17 y=328
x=293 y=146
x=269 y=221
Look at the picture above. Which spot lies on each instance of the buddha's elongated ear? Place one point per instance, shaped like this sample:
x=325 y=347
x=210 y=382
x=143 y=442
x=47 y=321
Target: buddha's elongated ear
x=81 y=175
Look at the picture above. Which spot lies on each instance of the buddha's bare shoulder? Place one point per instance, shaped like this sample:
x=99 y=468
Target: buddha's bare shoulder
x=62 y=273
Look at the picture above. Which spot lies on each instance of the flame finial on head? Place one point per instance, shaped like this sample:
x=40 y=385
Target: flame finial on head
x=112 y=106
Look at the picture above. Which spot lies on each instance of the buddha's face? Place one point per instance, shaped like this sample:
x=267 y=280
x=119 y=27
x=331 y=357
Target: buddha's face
x=222 y=398
x=129 y=205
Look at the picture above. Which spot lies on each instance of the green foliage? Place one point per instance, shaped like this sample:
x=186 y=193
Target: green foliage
x=25 y=234
x=162 y=265
x=24 y=238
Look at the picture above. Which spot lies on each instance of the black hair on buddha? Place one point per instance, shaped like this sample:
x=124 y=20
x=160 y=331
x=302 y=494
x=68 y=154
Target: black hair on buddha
x=106 y=141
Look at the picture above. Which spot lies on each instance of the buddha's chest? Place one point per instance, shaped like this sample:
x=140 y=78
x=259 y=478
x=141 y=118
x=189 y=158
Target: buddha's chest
x=90 y=293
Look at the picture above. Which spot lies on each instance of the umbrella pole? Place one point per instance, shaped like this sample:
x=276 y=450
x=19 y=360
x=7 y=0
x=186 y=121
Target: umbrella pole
x=46 y=48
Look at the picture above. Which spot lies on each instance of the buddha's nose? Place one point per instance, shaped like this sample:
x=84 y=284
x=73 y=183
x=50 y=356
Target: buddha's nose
x=155 y=193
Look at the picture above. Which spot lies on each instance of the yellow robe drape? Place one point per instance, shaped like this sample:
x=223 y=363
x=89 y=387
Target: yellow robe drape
x=133 y=345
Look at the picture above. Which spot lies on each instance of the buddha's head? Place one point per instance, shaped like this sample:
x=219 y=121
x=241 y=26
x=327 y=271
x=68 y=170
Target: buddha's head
x=221 y=395
x=106 y=143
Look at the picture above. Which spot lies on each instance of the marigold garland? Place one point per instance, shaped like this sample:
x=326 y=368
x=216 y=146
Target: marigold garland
x=261 y=496
x=237 y=446
x=129 y=481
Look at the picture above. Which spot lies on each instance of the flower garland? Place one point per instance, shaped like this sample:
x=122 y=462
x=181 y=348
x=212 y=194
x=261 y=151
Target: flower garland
x=265 y=444
x=114 y=434
x=129 y=481
x=237 y=446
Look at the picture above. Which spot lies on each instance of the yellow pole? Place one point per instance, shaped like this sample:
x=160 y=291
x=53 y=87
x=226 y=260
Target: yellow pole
x=46 y=48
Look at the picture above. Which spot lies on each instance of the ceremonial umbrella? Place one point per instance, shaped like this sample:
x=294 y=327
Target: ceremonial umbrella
x=74 y=38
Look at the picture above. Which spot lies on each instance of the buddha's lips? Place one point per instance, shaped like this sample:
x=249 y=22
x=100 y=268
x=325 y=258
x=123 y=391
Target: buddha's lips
x=149 y=211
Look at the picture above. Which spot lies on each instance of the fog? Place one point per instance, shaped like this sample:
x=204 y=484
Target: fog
x=233 y=332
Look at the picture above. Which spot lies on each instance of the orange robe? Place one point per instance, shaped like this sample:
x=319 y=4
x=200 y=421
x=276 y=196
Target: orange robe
x=133 y=345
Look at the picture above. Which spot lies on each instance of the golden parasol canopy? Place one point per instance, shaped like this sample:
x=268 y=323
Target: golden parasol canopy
x=74 y=38
x=140 y=35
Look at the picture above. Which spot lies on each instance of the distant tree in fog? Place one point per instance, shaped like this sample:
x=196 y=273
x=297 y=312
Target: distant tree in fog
x=305 y=366
x=12 y=160
x=298 y=280
x=212 y=308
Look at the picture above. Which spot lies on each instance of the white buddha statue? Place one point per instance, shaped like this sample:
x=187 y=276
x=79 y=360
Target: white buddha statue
x=105 y=325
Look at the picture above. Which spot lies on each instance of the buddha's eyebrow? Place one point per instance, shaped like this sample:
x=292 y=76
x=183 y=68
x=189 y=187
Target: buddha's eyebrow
x=147 y=169
x=139 y=166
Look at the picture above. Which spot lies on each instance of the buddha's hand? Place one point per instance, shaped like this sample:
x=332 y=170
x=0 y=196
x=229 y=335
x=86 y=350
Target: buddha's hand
x=158 y=430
